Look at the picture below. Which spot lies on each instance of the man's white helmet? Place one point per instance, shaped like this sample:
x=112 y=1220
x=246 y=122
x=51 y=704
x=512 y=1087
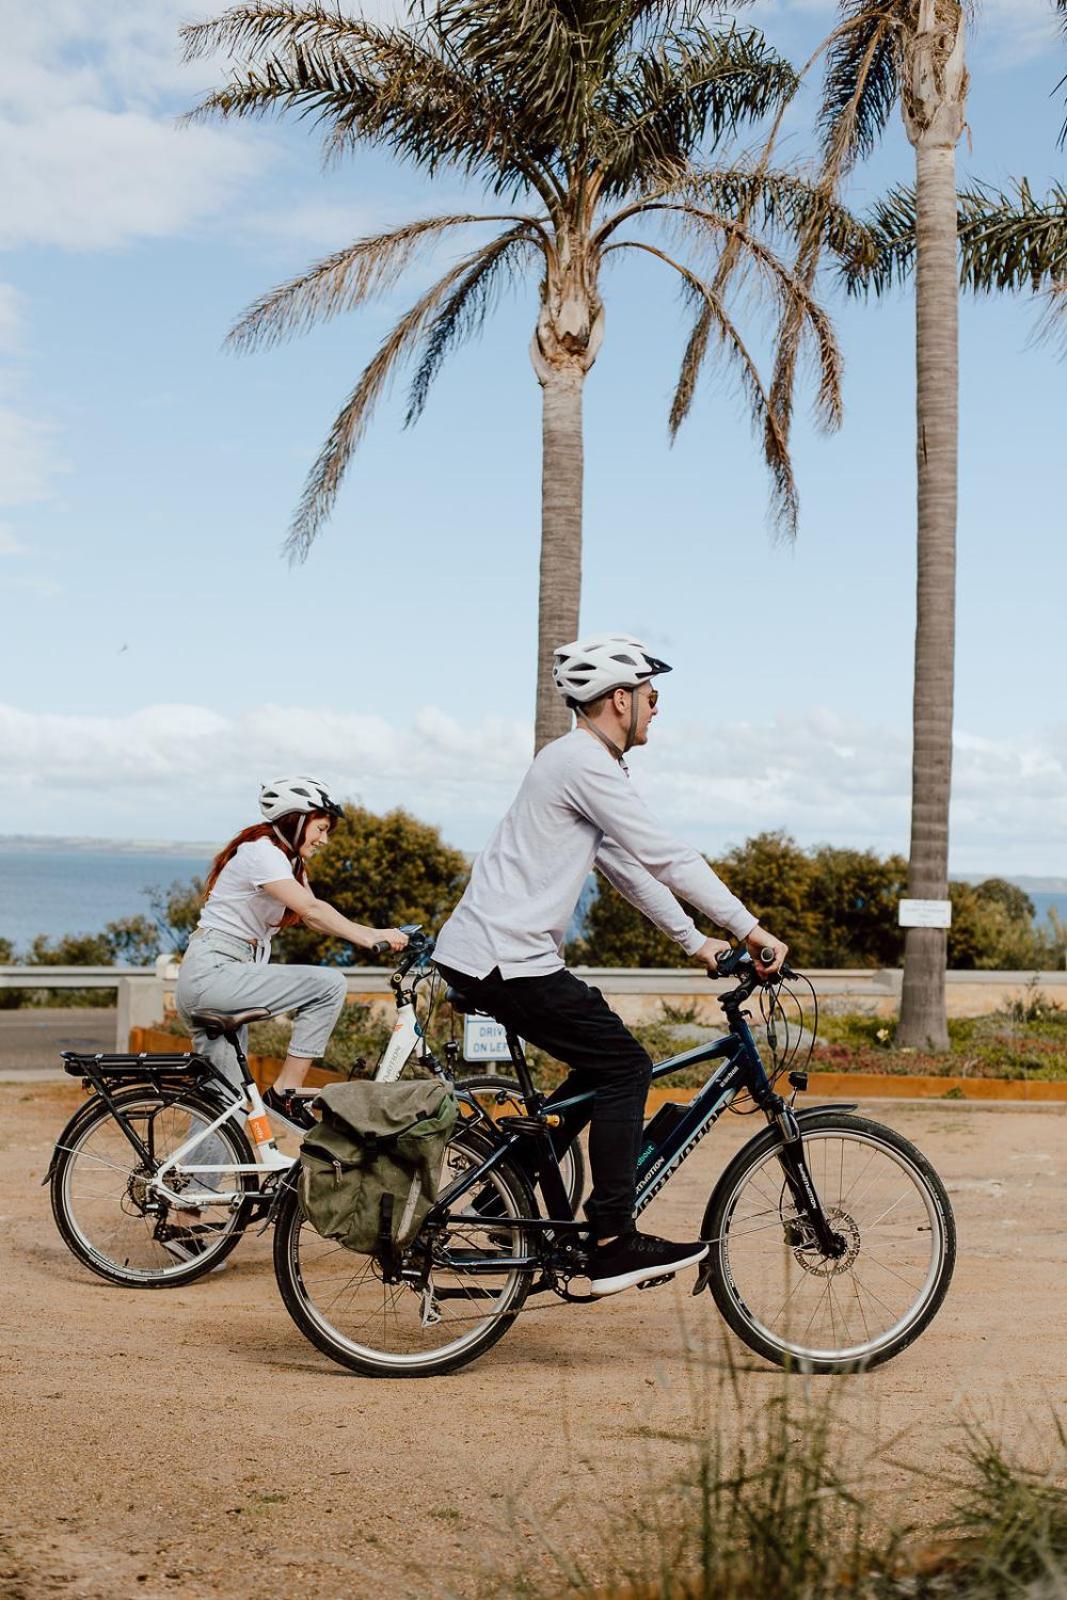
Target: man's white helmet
x=592 y=666
x=303 y=795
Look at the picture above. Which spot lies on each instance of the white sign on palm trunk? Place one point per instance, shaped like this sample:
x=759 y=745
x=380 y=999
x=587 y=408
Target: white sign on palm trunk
x=925 y=913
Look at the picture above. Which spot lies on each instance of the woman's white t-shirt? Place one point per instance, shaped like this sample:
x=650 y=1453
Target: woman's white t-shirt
x=237 y=904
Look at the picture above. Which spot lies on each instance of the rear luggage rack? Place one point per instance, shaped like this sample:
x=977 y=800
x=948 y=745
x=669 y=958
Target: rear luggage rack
x=171 y=1065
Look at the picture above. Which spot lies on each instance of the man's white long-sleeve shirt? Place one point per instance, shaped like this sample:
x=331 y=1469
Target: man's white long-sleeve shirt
x=576 y=809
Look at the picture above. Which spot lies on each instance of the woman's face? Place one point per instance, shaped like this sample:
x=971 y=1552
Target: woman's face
x=315 y=836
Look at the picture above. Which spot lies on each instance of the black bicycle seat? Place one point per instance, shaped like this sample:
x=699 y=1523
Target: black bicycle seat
x=461 y=1003
x=217 y=1023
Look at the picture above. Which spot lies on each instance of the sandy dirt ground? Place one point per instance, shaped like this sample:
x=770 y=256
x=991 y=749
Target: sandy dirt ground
x=189 y=1443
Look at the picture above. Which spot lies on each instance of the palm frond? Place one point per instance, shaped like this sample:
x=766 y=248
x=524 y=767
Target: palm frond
x=388 y=86
x=798 y=309
x=692 y=360
x=696 y=87
x=324 y=479
x=464 y=312
x=784 y=501
x=783 y=202
x=887 y=253
x=1007 y=241
x=341 y=282
x=862 y=81
x=256 y=29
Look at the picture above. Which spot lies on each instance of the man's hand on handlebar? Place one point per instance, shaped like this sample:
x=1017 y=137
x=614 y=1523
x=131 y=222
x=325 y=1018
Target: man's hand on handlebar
x=709 y=953
x=760 y=944
x=386 y=940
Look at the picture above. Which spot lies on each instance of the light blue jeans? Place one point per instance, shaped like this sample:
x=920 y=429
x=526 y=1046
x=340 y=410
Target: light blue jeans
x=219 y=973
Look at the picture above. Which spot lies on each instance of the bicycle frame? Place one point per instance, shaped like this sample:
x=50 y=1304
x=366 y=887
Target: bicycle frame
x=742 y=1070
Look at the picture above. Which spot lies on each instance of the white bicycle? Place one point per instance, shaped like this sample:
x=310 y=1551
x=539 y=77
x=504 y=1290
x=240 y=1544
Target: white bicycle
x=159 y=1174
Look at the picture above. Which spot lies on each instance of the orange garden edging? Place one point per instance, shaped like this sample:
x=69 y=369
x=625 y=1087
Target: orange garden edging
x=835 y=1085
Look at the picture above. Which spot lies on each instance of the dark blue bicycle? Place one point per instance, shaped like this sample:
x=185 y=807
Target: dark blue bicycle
x=832 y=1238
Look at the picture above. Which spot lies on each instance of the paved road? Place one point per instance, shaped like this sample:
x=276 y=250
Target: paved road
x=30 y=1040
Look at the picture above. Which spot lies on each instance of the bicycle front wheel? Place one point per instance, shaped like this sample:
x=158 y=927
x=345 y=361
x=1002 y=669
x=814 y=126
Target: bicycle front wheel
x=440 y=1315
x=106 y=1209
x=800 y=1307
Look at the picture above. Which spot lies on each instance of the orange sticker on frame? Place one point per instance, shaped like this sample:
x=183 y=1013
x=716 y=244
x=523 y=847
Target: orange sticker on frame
x=260 y=1129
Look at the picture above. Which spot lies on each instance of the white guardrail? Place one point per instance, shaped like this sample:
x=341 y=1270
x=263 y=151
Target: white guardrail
x=143 y=993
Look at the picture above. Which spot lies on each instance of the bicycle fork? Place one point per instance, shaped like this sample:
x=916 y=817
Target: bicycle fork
x=794 y=1166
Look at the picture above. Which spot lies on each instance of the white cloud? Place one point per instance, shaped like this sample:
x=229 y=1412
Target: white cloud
x=28 y=461
x=90 y=154
x=194 y=772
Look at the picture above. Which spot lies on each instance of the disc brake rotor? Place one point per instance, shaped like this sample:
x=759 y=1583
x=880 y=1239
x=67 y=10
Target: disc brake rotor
x=808 y=1253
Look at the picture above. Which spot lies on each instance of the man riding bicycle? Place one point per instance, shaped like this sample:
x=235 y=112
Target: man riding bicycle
x=500 y=948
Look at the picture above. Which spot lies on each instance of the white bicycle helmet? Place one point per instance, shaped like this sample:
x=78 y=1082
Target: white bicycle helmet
x=595 y=665
x=302 y=795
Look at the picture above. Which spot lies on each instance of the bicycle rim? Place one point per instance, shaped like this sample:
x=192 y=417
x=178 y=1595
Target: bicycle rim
x=103 y=1197
x=807 y=1308
x=341 y=1301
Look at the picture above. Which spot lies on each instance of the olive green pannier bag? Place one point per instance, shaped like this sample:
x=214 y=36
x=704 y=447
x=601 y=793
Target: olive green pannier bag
x=370 y=1171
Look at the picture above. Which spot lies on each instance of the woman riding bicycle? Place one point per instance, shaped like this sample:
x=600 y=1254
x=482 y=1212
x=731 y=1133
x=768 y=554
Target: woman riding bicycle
x=257 y=884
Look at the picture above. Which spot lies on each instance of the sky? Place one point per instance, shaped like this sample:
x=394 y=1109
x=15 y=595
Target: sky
x=161 y=659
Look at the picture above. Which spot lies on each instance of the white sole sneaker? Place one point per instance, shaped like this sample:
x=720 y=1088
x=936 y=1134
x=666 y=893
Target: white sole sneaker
x=630 y=1280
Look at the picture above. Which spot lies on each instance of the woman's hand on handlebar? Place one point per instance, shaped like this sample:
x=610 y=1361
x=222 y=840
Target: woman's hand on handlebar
x=385 y=940
x=762 y=945
x=709 y=953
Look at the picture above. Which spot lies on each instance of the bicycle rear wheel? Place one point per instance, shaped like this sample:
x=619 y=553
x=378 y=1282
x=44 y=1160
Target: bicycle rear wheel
x=104 y=1205
x=495 y=1094
x=800 y=1307
x=341 y=1302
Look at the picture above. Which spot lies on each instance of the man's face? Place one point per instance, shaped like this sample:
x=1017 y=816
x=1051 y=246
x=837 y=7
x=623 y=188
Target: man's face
x=646 y=697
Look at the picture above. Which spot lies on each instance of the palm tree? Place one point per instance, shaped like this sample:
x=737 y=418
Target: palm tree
x=582 y=123
x=880 y=54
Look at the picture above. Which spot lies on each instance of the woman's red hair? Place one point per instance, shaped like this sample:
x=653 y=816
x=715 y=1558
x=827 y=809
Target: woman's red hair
x=267 y=830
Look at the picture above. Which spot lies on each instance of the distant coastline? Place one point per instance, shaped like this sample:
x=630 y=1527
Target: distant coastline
x=113 y=847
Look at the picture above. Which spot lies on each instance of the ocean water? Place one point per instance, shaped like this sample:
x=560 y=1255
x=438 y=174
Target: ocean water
x=79 y=891
x=1044 y=903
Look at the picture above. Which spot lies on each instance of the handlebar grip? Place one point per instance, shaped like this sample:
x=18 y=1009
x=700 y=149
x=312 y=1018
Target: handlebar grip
x=382 y=948
x=766 y=955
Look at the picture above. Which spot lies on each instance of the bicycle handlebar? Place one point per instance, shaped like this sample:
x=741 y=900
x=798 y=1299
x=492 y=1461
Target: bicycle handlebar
x=733 y=963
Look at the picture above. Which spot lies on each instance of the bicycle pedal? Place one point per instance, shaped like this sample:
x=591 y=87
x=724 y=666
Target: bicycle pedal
x=652 y=1283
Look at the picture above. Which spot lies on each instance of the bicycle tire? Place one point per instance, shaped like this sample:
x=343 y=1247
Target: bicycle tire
x=745 y=1279
x=572 y=1163
x=291 y=1229
x=71 y=1148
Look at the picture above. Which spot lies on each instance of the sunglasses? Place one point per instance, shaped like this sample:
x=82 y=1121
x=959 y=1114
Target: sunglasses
x=653 y=697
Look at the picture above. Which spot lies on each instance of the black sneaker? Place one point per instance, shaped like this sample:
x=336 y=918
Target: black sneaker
x=635 y=1258
x=292 y=1106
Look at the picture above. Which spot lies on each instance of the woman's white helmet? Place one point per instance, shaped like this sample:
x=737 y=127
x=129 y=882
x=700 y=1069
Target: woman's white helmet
x=302 y=795
x=600 y=662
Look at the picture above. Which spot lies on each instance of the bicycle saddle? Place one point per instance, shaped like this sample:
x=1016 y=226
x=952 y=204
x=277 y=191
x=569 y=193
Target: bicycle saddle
x=460 y=1002
x=216 y=1023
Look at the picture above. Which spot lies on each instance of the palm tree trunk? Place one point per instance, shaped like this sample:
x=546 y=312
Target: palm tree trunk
x=561 y=538
x=933 y=93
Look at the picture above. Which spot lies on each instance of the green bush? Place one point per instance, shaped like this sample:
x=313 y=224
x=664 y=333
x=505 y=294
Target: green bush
x=835 y=908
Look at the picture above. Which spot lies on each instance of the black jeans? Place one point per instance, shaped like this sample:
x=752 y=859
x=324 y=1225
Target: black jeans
x=573 y=1022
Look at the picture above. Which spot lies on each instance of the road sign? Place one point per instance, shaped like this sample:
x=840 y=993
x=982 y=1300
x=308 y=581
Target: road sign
x=925 y=913
x=484 y=1040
